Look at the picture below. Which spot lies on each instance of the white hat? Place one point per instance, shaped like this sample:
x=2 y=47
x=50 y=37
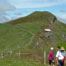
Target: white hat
x=62 y=48
x=51 y=48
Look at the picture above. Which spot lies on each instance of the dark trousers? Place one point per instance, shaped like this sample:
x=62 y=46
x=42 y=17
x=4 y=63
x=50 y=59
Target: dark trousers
x=51 y=62
x=61 y=63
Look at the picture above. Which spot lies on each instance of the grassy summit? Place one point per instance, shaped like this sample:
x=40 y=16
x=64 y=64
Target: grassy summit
x=36 y=16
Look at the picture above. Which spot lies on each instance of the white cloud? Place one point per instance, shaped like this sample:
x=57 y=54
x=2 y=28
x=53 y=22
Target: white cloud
x=35 y=3
x=5 y=6
x=63 y=11
x=62 y=18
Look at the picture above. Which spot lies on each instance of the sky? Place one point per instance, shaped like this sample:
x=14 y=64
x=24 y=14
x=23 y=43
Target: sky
x=13 y=9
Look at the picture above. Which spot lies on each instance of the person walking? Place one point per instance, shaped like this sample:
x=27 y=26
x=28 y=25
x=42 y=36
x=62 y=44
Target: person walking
x=51 y=57
x=60 y=57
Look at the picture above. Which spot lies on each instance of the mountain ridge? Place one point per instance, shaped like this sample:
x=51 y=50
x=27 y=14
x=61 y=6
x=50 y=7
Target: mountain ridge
x=37 y=16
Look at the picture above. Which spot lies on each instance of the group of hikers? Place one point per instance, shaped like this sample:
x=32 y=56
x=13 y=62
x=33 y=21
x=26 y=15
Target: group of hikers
x=60 y=57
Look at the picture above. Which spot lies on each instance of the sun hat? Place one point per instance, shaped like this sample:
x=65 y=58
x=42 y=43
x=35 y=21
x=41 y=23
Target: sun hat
x=51 y=48
x=62 y=48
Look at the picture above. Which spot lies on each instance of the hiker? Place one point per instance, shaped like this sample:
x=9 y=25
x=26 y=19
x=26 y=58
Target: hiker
x=51 y=57
x=60 y=57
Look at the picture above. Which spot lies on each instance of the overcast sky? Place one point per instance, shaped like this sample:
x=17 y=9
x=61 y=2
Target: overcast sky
x=12 y=9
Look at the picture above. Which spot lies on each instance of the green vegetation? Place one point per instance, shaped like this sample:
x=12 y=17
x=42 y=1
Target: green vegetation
x=23 y=34
x=12 y=38
x=18 y=62
x=62 y=45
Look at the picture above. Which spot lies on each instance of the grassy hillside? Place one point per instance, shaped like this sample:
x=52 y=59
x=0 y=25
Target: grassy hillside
x=27 y=34
x=29 y=30
x=13 y=38
x=17 y=62
x=38 y=21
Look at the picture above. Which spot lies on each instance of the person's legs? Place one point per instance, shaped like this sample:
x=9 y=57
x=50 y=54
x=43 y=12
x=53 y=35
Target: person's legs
x=62 y=64
x=53 y=65
x=50 y=62
x=59 y=61
x=53 y=62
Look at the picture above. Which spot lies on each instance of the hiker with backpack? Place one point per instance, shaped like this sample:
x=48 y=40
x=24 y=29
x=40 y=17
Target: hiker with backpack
x=51 y=57
x=60 y=57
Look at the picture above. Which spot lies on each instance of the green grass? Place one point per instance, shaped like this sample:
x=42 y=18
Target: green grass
x=62 y=45
x=31 y=26
x=12 y=38
x=35 y=24
x=23 y=34
x=19 y=62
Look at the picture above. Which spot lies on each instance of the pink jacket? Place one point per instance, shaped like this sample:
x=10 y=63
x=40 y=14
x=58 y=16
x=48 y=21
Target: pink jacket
x=51 y=55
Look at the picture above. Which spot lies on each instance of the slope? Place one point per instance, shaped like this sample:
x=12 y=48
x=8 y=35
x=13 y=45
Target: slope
x=12 y=38
x=35 y=23
x=28 y=33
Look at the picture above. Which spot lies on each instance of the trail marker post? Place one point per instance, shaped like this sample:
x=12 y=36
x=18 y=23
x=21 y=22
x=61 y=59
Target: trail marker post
x=2 y=55
x=19 y=54
x=10 y=53
x=44 y=57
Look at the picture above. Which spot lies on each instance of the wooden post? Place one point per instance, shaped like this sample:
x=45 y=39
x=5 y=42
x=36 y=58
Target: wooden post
x=2 y=55
x=44 y=57
x=10 y=53
x=19 y=54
